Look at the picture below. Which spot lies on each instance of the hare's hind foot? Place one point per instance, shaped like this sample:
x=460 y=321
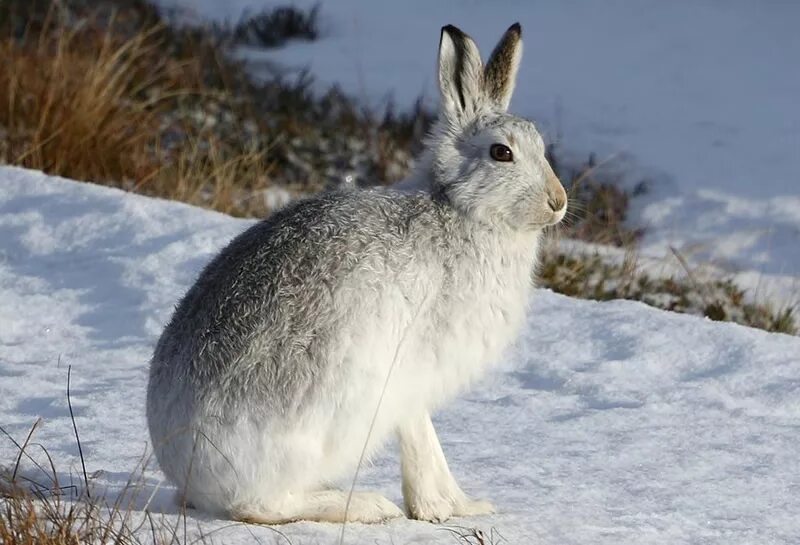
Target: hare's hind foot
x=321 y=506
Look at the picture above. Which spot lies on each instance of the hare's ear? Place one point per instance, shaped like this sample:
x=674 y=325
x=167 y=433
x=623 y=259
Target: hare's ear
x=501 y=70
x=460 y=74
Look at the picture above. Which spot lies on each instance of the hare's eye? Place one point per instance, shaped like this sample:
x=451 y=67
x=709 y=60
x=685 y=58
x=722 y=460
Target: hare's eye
x=499 y=152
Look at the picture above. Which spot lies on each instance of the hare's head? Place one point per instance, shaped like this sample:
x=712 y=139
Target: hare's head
x=488 y=163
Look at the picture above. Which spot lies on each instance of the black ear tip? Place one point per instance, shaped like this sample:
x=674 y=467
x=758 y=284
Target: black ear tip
x=517 y=28
x=452 y=30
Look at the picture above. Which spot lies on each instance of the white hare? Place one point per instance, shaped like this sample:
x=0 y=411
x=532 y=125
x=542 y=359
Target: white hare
x=356 y=305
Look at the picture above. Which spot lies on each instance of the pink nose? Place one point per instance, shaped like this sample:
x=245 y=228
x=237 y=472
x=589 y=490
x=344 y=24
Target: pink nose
x=556 y=196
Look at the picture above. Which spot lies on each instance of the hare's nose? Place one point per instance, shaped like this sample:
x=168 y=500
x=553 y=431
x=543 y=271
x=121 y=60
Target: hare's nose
x=556 y=196
x=556 y=202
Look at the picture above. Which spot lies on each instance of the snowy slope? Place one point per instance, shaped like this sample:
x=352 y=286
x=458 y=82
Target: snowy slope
x=609 y=423
x=698 y=97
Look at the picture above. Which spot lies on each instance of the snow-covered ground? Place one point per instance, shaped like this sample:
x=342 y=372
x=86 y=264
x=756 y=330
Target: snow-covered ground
x=697 y=97
x=609 y=423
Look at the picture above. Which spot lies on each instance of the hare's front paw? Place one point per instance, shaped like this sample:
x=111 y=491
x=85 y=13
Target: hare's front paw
x=438 y=507
x=433 y=509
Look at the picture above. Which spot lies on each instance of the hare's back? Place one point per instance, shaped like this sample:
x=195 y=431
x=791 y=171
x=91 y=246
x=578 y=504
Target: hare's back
x=269 y=303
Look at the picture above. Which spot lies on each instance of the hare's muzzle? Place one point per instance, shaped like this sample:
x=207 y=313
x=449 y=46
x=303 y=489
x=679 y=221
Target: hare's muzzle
x=556 y=196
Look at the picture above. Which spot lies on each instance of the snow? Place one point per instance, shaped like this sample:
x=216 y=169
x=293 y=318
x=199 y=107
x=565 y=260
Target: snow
x=698 y=98
x=608 y=423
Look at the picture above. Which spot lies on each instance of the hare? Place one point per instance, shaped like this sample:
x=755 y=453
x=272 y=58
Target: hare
x=344 y=318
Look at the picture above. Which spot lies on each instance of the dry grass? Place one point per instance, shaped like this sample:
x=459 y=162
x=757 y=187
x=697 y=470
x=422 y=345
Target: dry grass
x=73 y=108
x=54 y=520
x=591 y=276
x=101 y=102
x=38 y=510
x=34 y=514
x=203 y=174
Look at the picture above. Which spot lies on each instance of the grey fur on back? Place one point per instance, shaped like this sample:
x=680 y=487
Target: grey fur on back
x=275 y=282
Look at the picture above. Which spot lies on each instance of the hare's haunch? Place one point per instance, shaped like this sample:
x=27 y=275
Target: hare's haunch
x=356 y=305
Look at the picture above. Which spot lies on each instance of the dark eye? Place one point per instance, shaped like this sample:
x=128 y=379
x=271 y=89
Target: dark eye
x=499 y=152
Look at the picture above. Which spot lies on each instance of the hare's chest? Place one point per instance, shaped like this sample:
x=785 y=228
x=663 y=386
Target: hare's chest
x=482 y=315
x=489 y=314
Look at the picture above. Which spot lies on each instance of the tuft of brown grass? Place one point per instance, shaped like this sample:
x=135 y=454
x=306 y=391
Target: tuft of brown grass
x=590 y=276
x=40 y=511
x=203 y=174
x=74 y=108
x=34 y=515
x=99 y=100
x=53 y=521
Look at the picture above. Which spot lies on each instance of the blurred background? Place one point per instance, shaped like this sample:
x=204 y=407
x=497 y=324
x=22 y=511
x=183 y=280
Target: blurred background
x=674 y=125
